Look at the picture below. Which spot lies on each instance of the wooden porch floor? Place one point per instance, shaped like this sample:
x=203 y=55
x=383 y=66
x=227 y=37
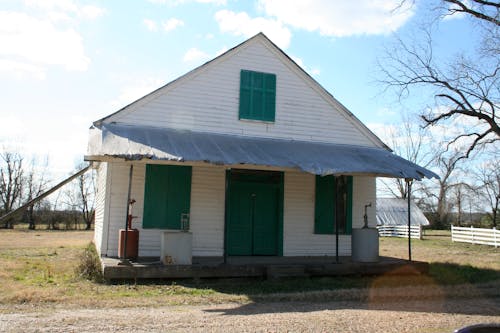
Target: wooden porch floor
x=257 y=267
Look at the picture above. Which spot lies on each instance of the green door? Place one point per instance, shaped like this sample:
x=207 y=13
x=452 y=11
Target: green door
x=254 y=218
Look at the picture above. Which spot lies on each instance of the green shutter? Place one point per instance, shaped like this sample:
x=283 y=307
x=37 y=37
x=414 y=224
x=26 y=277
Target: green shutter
x=324 y=211
x=167 y=195
x=270 y=98
x=257 y=96
x=245 y=94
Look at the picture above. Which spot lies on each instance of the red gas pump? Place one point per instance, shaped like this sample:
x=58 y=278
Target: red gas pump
x=128 y=243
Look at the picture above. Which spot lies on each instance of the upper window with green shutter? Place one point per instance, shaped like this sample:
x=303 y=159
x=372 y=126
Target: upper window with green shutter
x=257 y=96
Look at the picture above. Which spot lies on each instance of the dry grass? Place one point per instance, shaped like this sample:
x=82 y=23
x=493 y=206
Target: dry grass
x=40 y=293
x=436 y=246
x=38 y=268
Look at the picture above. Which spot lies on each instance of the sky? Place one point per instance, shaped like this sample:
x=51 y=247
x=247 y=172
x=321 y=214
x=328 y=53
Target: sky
x=67 y=63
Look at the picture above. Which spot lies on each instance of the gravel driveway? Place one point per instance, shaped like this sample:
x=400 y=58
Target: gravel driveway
x=410 y=316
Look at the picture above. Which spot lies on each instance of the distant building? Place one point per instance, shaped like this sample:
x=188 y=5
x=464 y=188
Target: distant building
x=393 y=212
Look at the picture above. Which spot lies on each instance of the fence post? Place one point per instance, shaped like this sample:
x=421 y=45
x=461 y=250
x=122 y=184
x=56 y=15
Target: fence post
x=452 y=234
x=495 y=237
x=472 y=234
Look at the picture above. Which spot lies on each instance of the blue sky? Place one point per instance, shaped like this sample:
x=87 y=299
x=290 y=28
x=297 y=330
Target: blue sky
x=66 y=63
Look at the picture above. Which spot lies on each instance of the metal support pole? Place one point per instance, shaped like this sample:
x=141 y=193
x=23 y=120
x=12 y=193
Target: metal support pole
x=336 y=216
x=128 y=210
x=408 y=183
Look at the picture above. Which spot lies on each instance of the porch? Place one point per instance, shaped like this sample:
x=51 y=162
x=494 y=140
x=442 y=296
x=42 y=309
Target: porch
x=256 y=267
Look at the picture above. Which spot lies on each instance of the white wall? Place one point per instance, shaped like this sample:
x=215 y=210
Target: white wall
x=299 y=237
x=364 y=192
x=207 y=212
x=206 y=99
x=100 y=205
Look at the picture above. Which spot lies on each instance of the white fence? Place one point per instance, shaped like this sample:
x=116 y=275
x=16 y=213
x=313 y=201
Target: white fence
x=400 y=231
x=475 y=235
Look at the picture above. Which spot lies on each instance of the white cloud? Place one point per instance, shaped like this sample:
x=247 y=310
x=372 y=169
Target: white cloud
x=195 y=55
x=132 y=92
x=224 y=49
x=315 y=71
x=39 y=42
x=240 y=24
x=22 y=70
x=340 y=18
x=172 y=24
x=91 y=12
x=150 y=24
x=58 y=9
x=180 y=2
x=311 y=71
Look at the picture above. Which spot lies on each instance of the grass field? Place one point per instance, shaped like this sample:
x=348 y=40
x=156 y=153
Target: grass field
x=37 y=268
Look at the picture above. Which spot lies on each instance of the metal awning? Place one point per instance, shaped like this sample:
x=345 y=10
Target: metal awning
x=138 y=142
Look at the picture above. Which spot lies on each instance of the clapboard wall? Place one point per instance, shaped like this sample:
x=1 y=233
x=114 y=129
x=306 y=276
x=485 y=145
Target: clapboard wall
x=207 y=100
x=207 y=212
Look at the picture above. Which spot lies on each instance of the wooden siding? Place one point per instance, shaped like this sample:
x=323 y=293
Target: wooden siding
x=209 y=97
x=299 y=237
x=207 y=212
x=364 y=191
x=100 y=205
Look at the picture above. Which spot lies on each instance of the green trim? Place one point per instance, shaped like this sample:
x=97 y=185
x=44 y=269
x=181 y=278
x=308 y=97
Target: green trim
x=265 y=184
x=280 y=214
x=227 y=212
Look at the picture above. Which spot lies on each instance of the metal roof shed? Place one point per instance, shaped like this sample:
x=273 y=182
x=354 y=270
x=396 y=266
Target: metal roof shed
x=394 y=212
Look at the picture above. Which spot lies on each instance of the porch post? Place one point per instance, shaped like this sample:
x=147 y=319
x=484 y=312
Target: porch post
x=127 y=211
x=408 y=183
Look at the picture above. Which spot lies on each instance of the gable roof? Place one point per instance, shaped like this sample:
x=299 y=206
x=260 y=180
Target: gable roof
x=128 y=140
x=289 y=62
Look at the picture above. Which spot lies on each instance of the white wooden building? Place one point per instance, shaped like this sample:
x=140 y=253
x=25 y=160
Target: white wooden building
x=249 y=149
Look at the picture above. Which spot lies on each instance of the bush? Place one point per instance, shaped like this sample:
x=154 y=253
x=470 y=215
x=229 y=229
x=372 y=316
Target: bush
x=89 y=266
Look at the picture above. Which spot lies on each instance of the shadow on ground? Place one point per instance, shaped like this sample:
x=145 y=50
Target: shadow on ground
x=448 y=288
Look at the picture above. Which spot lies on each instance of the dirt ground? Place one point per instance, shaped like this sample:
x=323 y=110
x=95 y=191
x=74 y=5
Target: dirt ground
x=410 y=316
x=431 y=312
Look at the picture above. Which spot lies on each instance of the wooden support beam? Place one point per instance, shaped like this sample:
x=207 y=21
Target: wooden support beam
x=44 y=194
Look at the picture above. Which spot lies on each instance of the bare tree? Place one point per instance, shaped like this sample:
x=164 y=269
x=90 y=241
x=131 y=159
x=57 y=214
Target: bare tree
x=81 y=196
x=407 y=140
x=467 y=89
x=462 y=194
x=437 y=193
x=488 y=176
x=35 y=183
x=11 y=182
